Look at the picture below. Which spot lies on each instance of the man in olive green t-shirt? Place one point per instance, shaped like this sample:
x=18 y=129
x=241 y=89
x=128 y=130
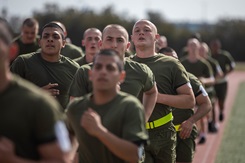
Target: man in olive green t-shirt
x=174 y=91
x=48 y=68
x=139 y=80
x=109 y=125
x=31 y=122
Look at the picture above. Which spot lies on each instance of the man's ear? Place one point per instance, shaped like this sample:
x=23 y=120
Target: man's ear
x=122 y=76
x=63 y=43
x=157 y=36
x=128 y=45
x=83 y=42
x=100 y=44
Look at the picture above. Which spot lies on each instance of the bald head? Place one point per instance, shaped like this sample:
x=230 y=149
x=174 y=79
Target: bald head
x=148 y=23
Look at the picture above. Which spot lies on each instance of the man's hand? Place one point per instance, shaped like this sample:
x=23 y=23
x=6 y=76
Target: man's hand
x=91 y=122
x=50 y=88
x=185 y=129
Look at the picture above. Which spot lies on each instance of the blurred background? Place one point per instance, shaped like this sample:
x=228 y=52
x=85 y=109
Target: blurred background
x=176 y=19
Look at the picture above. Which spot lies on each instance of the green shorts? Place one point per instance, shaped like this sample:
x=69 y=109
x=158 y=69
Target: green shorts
x=185 y=148
x=162 y=145
x=221 y=90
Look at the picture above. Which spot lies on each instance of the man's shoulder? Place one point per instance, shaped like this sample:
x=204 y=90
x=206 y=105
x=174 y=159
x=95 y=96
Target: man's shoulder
x=70 y=61
x=133 y=64
x=28 y=56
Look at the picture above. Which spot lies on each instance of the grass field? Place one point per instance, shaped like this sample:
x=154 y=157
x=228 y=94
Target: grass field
x=233 y=143
x=240 y=66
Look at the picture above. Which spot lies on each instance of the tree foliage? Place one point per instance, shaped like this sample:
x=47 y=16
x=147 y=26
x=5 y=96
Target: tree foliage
x=231 y=32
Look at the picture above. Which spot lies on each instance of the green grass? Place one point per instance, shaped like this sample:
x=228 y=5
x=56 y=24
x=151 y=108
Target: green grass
x=240 y=66
x=232 y=149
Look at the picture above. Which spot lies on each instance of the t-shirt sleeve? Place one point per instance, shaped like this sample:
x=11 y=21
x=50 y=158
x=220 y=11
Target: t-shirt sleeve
x=18 y=67
x=48 y=116
x=80 y=84
x=180 y=76
x=149 y=78
x=134 y=125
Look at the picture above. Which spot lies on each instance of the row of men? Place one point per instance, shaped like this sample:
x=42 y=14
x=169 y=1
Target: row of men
x=213 y=70
x=102 y=129
x=211 y=65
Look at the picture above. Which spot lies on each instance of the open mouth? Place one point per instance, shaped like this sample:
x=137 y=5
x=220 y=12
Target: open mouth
x=50 y=46
x=141 y=38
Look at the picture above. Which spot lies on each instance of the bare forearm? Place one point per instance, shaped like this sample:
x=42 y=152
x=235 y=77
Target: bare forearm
x=177 y=101
x=204 y=106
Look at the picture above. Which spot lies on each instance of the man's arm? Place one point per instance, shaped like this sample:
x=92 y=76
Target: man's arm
x=50 y=153
x=123 y=149
x=204 y=106
x=149 y=101
x=183 y=100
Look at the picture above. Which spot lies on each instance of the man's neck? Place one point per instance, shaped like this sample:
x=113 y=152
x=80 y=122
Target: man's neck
x=89 y=57
x=103 y=97
x=145 y=53
x=50 y=58
x=193 y=57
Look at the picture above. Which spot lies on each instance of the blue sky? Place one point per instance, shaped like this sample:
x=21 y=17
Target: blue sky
x=172 y=10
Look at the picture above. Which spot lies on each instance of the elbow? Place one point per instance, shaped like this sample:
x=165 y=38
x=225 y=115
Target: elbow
x=133 y=159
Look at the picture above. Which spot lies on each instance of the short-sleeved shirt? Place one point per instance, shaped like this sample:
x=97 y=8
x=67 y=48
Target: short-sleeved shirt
x=139 y=78
x=225 y=60
x=180 y=115
x=200 y=68
x=215 y=65
x=81 y=60
x=28 y=117
x=41 y=72
x=22 y=48
x=72 y=51
x=169 y=75
x=123 y=116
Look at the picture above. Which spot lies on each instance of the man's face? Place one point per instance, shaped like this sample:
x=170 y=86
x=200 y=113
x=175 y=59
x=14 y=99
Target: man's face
x=144 y=34
x=91 y=41
x=28 y=34
x=105 y=74
x=115 y=38
x=51 y=41
x=193 y=46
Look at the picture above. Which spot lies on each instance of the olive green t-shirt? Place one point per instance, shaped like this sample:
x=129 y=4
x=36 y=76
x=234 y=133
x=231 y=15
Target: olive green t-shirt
x=72 y=51
x=123 y=116
x=81 y=60
x=139 y=78
x=28 y=117
x=200 y=68
x=181 y=115
x=41 y=72
x=26 y=48
x=225 y=60
x=169 y=75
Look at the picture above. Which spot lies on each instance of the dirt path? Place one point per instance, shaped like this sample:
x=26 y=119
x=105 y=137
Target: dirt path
x=207 y=153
